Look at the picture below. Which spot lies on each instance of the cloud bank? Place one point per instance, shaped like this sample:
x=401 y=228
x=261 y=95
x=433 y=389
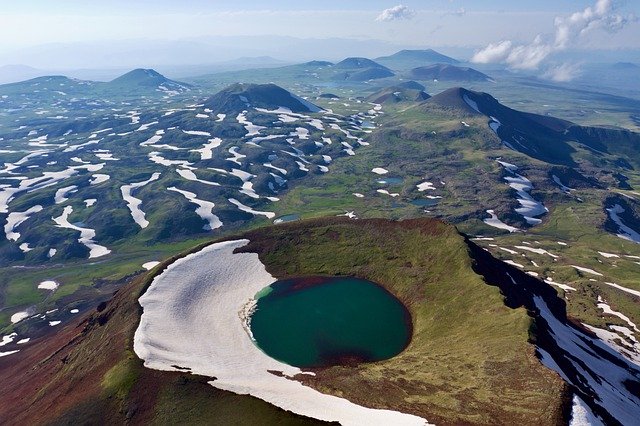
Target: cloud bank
x=394 y=13
x=568 y=32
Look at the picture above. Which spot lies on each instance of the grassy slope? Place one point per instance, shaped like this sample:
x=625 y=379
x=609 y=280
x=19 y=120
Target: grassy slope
x=459 y=156
x=469 y=361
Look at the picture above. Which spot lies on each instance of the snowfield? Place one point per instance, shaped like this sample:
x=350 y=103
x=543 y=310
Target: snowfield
x=193 y=318
x=497 y=223
x=86 y=234
x=134 y=203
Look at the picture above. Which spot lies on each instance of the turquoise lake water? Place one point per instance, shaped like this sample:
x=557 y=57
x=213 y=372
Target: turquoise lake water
x=321 y=321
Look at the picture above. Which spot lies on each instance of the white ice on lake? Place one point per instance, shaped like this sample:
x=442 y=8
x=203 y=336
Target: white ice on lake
x=134 y=203
x=194 y=316
x=86 y=234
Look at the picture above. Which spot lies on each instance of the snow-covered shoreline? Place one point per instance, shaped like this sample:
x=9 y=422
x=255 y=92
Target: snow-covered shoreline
x=198 y=325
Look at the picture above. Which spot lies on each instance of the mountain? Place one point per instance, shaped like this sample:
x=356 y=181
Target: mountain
x=447 y=72
x=16 y=73
x=411 y=85
x=412 y=58
x=365 y=74
x=238 y=97
x=147 y=79
x=358 y=63
x=51 y=87
x=625 y=66
x=318 y=64
x=360 y=69
x=97 y=185
x=256 y=61
x=543 y=137
x=398 y=93
x=97 y=349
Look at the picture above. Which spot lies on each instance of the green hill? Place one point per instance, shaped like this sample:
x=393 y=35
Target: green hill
x=238 y=97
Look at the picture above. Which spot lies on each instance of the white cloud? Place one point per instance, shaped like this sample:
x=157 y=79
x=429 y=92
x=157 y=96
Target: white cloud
x=563 y=72
x=568 y=32
x=459 y=12
x=394 y=13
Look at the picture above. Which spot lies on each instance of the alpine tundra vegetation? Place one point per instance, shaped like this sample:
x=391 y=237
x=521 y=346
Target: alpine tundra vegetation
x=213 y=213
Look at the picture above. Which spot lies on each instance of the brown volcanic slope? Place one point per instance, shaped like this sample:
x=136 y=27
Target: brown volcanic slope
x=470 y=360
x=88 y=374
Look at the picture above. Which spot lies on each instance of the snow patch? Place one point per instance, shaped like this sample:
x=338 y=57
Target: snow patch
x=200 y=324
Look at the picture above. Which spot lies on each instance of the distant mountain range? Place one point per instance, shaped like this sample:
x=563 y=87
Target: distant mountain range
x=132 y=83
x=413 y=58
x=447 y=72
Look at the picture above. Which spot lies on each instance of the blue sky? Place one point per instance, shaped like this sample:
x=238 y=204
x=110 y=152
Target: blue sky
x=442 y=22
x=471 y=24
x=84 y=7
